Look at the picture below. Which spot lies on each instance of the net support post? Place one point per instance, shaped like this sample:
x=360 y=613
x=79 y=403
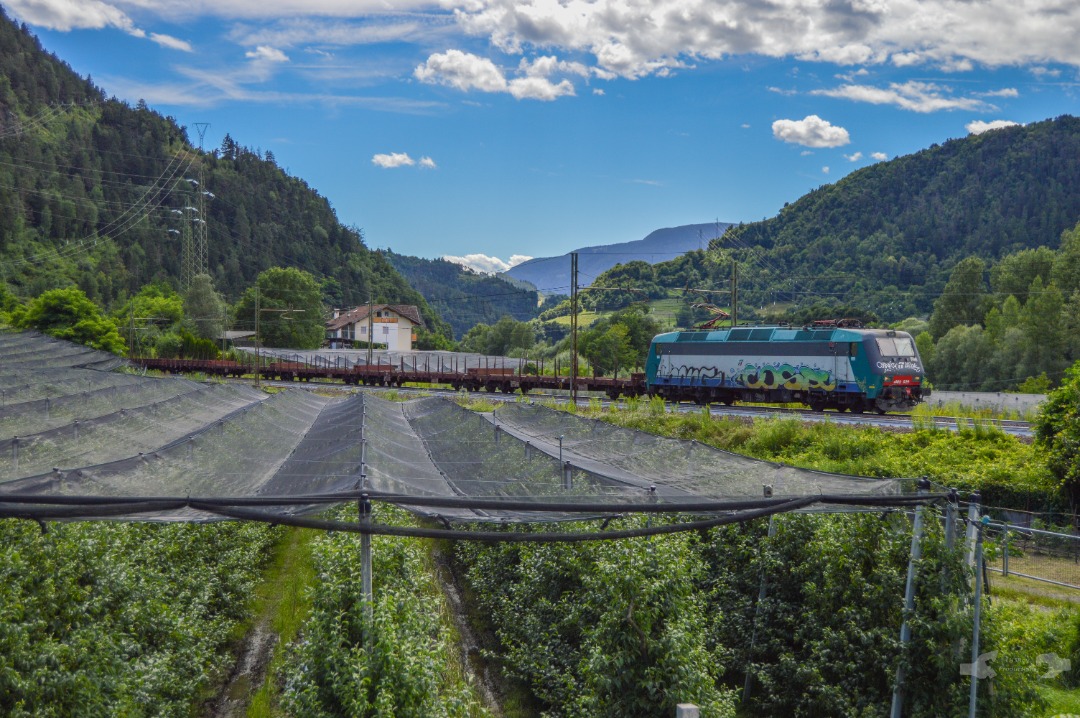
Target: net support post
x=909 y=603
x=762 y=593
x=364 y=508
x=950 y=520
x=15 y=453
x=977 y=664
x=951 y=505
x=972 y=527
x=567 y=476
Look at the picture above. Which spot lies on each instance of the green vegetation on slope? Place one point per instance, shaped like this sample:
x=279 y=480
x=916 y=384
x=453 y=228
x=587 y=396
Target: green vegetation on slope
x=89 y=185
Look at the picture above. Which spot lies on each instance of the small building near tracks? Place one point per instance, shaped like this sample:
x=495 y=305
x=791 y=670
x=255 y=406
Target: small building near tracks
x=392 y=325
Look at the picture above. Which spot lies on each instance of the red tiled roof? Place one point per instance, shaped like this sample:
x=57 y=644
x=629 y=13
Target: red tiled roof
x=358 y=314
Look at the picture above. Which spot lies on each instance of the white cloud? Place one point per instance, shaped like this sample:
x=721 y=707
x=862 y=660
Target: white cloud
x=427 y=163
x=265 y=53
x=853 y=157
x=343 y=32
x=539 y=88
x=636 y=38
x=465 y=71
x=462 y=71
x=392 y=160
x=487 y=264
x=632 y=39
x=978 y=127
x=913 y=95
x=811 y=131
x=825 y=170
x=598 y=92
x=67 y=15
x=1003 y=92
x=170 y=42
x=1041 y=72
x=878 y=156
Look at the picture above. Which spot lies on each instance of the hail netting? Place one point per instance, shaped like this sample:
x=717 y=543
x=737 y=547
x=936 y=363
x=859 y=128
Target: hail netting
x=479 y=460
x=678 y=468
x=95 y=440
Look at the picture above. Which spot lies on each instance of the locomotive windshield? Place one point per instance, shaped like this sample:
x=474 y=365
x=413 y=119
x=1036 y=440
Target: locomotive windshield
x=901 y=347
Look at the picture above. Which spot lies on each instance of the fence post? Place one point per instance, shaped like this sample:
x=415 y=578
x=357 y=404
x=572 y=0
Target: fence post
x=1005 y=551
x=909 y=602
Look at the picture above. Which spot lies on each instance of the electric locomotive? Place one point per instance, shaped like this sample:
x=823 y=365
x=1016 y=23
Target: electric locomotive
x=827 y=365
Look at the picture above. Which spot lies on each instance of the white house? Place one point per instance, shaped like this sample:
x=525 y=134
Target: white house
x=391 y=324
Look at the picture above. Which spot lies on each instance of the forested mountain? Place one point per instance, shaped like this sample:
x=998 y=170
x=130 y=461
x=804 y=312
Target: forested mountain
x=463 y=297
x=886 y=237
x=97 y=193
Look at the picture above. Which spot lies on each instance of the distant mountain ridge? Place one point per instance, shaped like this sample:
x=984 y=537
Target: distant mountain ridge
x=551 y=275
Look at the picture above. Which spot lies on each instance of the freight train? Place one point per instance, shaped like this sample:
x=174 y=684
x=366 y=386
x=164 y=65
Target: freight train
x=826 y=365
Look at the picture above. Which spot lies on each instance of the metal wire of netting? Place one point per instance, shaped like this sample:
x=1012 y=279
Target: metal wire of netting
x=678 y=465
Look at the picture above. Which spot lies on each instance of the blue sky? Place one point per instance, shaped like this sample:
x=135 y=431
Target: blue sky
x=501 y=129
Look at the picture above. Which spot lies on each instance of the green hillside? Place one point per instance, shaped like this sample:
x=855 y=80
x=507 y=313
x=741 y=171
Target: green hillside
x=463 y=297
x=96 y=193
x=886 y=237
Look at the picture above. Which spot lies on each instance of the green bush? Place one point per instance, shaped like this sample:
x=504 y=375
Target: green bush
x=401 y=663
x=120 y=619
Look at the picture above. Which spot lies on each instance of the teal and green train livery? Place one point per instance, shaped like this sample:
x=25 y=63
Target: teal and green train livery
x=828 y=367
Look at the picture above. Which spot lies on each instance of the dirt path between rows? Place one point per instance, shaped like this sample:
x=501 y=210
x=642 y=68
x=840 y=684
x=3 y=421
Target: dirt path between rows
x=248 y=672
x=472 y=659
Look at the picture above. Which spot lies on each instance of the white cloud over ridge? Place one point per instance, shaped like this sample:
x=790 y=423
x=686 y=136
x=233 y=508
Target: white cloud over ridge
x=811 y=131
x=68 y=15
x=485 y=263
x=977 y=127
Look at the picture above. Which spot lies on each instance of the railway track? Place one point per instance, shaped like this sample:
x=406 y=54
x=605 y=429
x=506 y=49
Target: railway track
x=892 y=422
